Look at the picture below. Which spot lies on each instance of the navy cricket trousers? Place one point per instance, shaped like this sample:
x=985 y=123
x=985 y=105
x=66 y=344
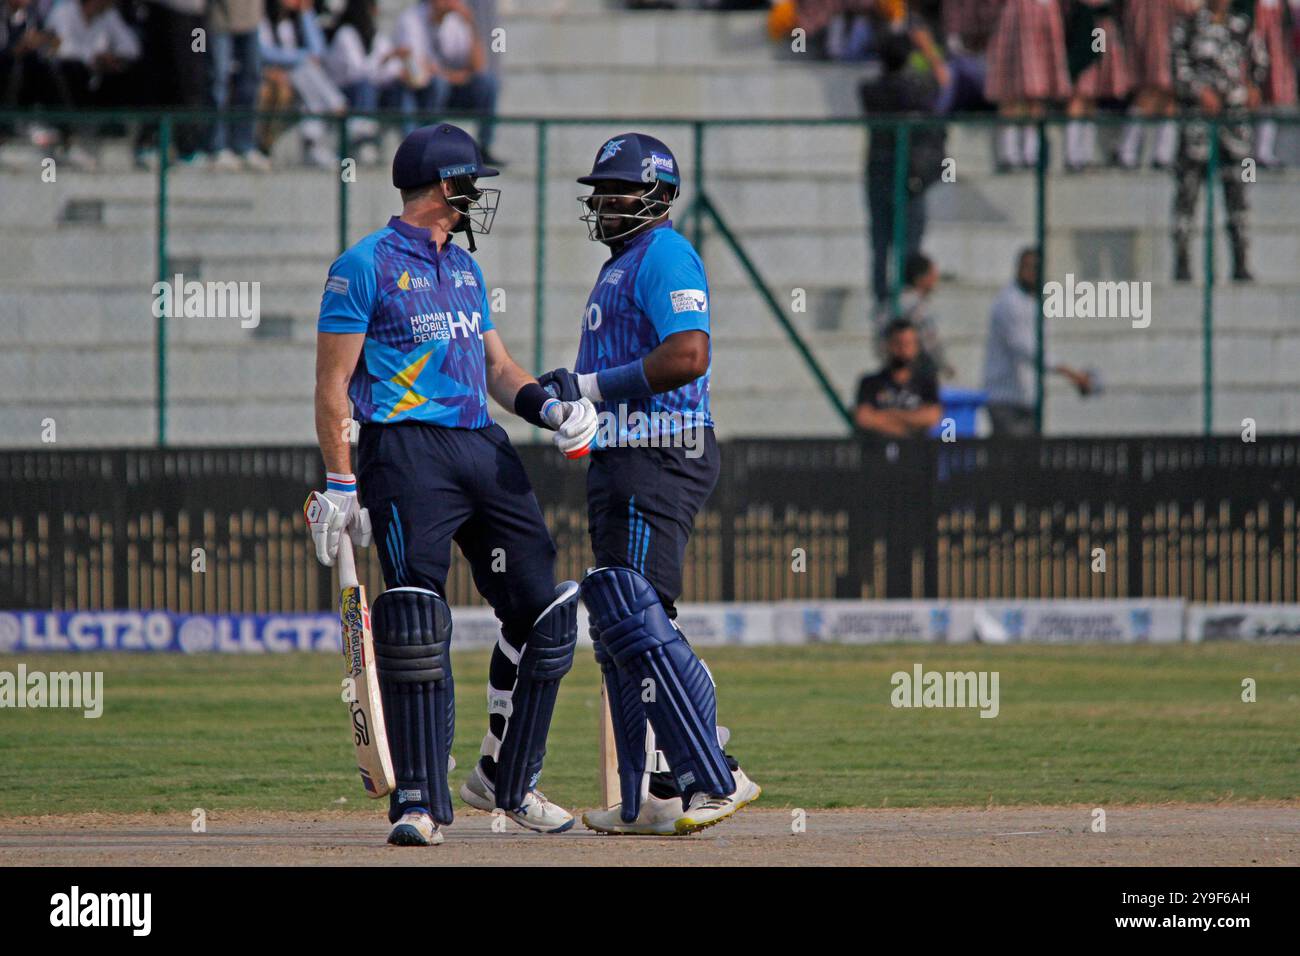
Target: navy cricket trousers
x=641 y=507
x=427 y=486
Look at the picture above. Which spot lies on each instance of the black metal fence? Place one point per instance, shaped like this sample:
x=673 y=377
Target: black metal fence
x=1204 y=519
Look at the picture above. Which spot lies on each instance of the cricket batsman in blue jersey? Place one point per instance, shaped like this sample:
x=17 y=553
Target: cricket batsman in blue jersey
x=405 y=334
x=644 y=359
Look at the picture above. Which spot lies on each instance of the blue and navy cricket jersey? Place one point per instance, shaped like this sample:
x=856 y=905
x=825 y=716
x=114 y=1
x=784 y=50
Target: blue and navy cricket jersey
x=424 y=312
x=653 y=287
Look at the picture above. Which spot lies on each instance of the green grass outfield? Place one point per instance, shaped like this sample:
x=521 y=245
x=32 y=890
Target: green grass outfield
x=1095 y=725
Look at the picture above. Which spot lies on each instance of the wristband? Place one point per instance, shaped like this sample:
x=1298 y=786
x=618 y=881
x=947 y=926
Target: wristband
x=624 y=382
x=588 y=387
x=529 y=401
x=335 y=481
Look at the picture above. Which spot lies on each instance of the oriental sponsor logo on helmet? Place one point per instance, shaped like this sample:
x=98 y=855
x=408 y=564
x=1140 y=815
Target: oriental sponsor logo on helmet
x=658 y=166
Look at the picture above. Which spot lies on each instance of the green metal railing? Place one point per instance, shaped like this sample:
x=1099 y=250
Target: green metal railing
x=703 y=211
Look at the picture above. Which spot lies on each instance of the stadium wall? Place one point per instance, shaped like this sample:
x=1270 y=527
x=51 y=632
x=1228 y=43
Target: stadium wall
x=219 y=530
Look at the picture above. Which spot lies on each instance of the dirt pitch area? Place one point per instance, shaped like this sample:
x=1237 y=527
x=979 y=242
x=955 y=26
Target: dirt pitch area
x=1220 y=835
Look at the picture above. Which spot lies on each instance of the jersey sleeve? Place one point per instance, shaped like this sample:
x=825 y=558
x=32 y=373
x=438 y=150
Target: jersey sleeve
x=671 y=288
x=486 y=324
x=350 y=293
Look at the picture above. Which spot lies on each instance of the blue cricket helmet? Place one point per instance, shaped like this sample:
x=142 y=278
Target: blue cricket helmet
x=633 y=158
x=446 y=153
x=640 y=161
x=433 y=153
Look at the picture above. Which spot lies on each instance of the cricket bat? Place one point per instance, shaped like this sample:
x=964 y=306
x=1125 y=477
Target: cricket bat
x=361 y=686
x=610 y=793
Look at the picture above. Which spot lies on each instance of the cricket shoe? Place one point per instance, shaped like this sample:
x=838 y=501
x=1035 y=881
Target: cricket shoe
x=415 y=828
x=658 y=817
x=537 y=813
x=706 y=809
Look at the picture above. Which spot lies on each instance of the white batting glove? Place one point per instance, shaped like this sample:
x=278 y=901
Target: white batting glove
x=330 y=511
x=576 y=426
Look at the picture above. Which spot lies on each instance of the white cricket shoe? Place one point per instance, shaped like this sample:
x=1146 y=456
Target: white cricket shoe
x=537 y=813
x=657 y=818
x=415 y=828
x=706 y=810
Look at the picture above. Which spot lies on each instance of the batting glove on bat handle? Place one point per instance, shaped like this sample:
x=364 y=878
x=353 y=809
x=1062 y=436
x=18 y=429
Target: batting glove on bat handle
x=328 y=513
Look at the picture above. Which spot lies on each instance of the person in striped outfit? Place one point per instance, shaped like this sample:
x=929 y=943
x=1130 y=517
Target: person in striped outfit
x=1027 y=72
x=1099 y=60
x=1148 y=26
x=1274 y=26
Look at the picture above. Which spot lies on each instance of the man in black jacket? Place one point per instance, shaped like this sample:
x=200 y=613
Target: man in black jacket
x=899 y=91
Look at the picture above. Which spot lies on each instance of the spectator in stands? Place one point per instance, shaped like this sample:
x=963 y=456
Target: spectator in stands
x=967 y=26
x=172 y=74
x=367 y=67
x=94 y=54
x=856 y=31
x=446 y=68
x=1274 y=28
x=1219 y=67
x=1011 y=356
x=1148 y=26
x=1096 y=75
x=901 y=90
x=1026 y=73
x=236 y=64
x=293 y=51
x=920 y=279
x=902 y=399
x=28 y=75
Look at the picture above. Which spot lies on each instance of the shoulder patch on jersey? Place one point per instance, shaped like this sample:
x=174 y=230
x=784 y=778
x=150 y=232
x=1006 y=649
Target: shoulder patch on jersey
x=689 y=300
x=337 y=284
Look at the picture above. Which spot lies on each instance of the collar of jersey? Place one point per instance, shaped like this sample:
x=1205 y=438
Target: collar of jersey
x=396 y=224
x=639 y=237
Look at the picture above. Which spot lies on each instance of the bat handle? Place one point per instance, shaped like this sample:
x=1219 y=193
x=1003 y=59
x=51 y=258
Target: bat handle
x=346 y=561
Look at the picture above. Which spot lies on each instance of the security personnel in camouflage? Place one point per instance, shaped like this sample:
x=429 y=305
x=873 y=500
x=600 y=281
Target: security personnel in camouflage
x=1218 y=68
